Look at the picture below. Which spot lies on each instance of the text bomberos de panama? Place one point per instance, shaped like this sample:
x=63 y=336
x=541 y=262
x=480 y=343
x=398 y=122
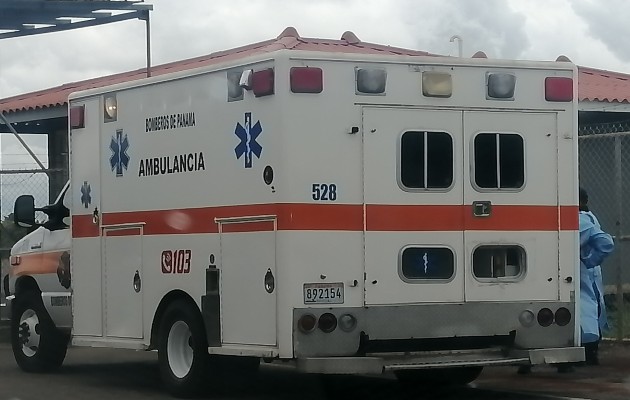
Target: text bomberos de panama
x=172 y=121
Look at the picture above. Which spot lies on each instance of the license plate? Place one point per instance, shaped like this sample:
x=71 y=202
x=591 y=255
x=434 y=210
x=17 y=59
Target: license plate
x=323 y=293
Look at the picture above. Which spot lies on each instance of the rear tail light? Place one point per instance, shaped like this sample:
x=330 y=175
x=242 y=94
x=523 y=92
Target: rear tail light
x=545 y=317
x=558 y=89
x=263 y=82
x=306 y=80
x=347 y=322
x=327 y=322
x=77 y=117
x=307 y=323
x=527 y=318
x=371 y=81
x=563 y=316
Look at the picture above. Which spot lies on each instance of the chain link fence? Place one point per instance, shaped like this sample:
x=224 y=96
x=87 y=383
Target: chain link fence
x=604 y=160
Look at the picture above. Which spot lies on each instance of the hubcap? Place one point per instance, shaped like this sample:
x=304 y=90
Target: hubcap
x=28 y=332
x=179 y=349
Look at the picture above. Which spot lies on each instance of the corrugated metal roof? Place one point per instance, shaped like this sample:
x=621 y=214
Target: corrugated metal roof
x=605 y=86
x=593 y=84
x=288 y=39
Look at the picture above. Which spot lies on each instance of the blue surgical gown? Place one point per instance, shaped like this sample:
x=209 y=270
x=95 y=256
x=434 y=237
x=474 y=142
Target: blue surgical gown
x=595 y=246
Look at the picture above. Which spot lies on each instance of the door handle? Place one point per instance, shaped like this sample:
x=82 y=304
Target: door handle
x=482 y=208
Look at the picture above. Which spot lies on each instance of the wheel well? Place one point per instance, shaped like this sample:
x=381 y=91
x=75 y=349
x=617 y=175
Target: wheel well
x=166 y=301
x=26 y=284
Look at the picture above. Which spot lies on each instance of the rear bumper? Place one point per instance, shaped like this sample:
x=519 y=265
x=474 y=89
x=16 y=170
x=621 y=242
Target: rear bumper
x=378 y=364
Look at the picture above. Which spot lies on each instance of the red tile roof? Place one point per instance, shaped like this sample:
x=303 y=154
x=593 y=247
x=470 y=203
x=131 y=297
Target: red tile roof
x=288 y=39
x=604 y=86
x=594 y=85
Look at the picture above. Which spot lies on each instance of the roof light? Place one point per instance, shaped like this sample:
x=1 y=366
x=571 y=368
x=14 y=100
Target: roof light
x=437 y=84
x=558 y=89
x=306 y=80
x=111 y=108
x=500 y=86
x=77 y=117
x=371 y=81
x=246 y=79
x=235 y=91
x=262 y=82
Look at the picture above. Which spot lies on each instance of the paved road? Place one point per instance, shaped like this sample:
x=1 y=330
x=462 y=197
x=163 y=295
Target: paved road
x=126 y=375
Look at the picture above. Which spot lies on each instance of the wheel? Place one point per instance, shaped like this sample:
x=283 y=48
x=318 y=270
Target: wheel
x=182 y=350
x=458 y=376
x=38 y=346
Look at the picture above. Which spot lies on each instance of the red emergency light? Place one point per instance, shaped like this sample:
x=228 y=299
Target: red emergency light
x=306 y=80
x=263 y=82
x=558 y=89
x=77 y=117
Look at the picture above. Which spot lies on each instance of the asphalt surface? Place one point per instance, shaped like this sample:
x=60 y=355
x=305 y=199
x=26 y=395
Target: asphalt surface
x=122 y=374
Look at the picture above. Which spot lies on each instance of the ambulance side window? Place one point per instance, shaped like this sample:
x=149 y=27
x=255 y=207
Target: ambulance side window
x=426 y=263
x=426 y=160
x=499 y=161
x=498 y=262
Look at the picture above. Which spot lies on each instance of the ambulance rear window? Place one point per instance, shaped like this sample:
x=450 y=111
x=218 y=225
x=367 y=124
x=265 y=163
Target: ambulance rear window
x=496 y=262
x=420 y=263
x=426 y=160
x=499 y=161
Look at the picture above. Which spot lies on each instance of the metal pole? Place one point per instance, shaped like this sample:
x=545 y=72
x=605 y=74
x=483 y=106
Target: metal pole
x=148 y=24
x=620 y=258
x=17 y=135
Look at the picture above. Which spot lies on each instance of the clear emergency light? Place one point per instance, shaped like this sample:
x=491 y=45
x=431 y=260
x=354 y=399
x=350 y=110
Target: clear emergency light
x=306 y=80
x=111 y=108
x=558 y=88
x=437 y=84
x=500 y=86
x=263 y=82
x=370 y=80
x=77 y=117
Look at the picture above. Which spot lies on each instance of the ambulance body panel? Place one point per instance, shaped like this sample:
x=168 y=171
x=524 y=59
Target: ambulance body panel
x=420 y=222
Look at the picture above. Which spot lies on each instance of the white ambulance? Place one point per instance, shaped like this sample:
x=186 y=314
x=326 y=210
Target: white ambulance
x=344 y=213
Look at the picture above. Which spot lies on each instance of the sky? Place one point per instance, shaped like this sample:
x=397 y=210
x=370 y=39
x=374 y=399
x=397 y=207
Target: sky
x=591 y=33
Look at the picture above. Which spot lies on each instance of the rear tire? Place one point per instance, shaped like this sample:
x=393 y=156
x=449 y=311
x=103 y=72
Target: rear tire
x=459 y=376
x=182 y=350
x=38 y=346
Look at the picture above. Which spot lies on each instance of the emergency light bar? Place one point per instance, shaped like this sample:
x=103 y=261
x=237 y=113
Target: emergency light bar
x=110 y=108
x=558 y=89
x=306 y=80
x=437 y=84
x=77 y=117
x=235 y=90
x=500 y=86
x=370 y=81
x=263 y=82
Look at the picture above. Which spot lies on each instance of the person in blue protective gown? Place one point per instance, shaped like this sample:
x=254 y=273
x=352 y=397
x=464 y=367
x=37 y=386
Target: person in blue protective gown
x=595 y=246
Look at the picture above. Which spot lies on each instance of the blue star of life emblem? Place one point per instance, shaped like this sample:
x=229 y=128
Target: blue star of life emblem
x=86 y=198
x=248 y=145
x=119 y=158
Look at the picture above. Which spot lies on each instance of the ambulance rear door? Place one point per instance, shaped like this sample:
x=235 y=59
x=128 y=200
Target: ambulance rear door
x=511 y=197
x=413 y=197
